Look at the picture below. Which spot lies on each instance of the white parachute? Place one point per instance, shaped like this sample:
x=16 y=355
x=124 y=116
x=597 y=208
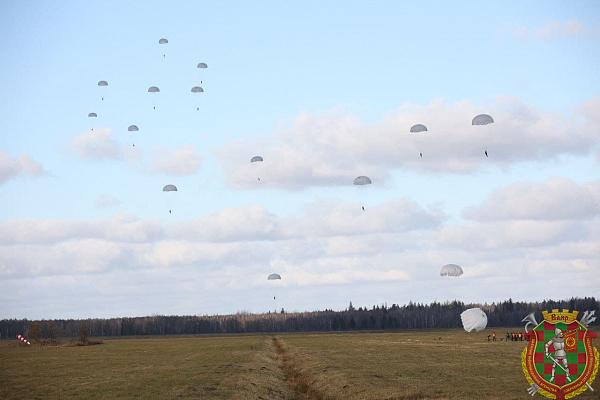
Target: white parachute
x=474 y=319
x=451 y=270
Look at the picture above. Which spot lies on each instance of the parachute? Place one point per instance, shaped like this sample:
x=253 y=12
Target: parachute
x=163 y=41
x=482 y=119
x=418 y=128
x=362 y=180
x=153 y=89
x=169 y=188
x=451 y=270
x=133 y=128
x=197 y=89
x=273 y=277
x=92 y=115
x=101 y=84
x=202 y=65
x=474 y=319
x=256 y=159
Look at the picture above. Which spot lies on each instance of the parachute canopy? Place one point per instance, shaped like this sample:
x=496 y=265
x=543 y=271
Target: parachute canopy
x=256 y=159
x=202 y=65
x=153 y=89
x=92 y=115
x=482 y=119
x=169 y=188
x=474 y=319
x=197 y=89
x=133 y=128
x=362 y=180
x=451 y=270
x=163 y=41
x=418 y=128
x=102 y=83
x=273 y=277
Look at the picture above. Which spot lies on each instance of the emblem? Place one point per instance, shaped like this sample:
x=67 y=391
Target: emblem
x=560 y=361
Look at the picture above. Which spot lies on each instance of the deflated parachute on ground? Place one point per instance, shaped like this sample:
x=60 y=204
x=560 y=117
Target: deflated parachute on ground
x=451 y=270
x=474 y=319
x=482 y=119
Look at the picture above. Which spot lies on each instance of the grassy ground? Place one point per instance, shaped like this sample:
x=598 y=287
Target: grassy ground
x=445 y=364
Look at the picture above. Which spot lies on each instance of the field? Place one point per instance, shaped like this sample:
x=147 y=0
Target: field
x=445 y=364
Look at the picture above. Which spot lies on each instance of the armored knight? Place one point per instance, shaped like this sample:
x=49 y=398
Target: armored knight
x=558 y=342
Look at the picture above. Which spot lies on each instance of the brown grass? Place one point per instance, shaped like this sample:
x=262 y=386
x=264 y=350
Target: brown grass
x=406 y=365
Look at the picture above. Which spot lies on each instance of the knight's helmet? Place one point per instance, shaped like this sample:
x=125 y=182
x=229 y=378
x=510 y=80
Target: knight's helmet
x=557 y=332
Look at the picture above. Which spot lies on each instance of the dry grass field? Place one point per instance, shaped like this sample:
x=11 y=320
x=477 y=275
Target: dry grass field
x=445 y=364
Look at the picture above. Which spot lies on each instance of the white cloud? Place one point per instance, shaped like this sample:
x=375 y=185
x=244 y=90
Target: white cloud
x=555 y=29
x=328 y=254
x=333 y=148
x=22 y=165
x=555 y=199
x=179 y=162
x=97 y=145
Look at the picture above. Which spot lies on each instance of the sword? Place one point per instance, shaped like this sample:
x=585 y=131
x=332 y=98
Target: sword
x=563 y=368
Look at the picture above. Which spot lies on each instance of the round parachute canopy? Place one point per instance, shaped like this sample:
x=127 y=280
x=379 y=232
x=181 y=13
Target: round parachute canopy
x=451 y=270
x=197 y=89
x=102 y=83
x=482 y=119
x=256 y=159
x=273 y=277
x=474 y=319
x=92 y=115
x=153 y=89
x=362 y=180
x=133 y=128
x=418 y=128
x=170 y=188
x=202 y=65
x=163 y=41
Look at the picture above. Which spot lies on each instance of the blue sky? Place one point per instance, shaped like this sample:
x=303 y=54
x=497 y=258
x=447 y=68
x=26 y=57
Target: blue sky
x=274 y=66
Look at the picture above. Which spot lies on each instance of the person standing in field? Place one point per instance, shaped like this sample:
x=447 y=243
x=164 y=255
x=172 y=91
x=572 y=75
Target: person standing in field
x=494 y=336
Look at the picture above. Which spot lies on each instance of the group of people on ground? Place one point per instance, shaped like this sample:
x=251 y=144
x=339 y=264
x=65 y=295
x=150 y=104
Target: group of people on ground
x=512 y=336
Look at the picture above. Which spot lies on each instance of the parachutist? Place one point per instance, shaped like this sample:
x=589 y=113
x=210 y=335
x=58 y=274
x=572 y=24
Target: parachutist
x=363 y=208
x=421 y=155
x=486 y=153
x=170 y=212
x=197 y=108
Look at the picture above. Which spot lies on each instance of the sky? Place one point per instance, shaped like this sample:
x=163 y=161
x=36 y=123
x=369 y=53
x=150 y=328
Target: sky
x=324 y=92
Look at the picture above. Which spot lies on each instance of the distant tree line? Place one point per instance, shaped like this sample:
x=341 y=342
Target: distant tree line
x=410 y=316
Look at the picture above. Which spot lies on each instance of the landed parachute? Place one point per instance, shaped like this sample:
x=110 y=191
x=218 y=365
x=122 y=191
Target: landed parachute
x=451 y=270
x=169 y=188
x=273 y=277
x=482 y=119
x=474 y=319
x=418 y=128
x=202 y=65
x=362 y=180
